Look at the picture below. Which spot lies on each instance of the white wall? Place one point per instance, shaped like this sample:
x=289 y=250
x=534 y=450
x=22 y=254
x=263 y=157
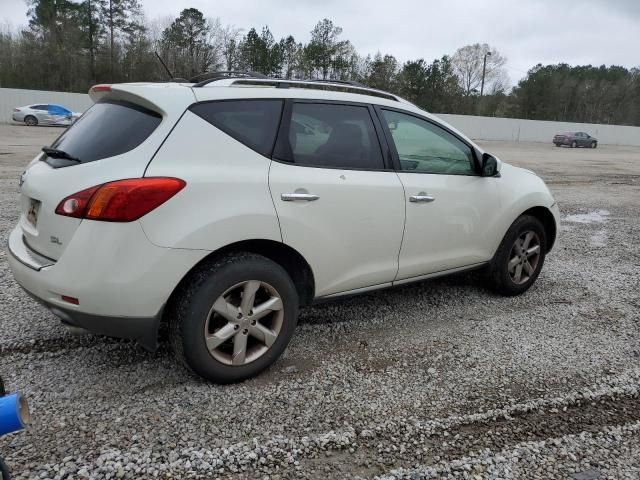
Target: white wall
x=517 y=130
x=479 y=128
x=14 y=97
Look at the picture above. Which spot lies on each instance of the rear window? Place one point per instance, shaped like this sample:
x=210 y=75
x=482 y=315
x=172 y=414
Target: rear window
x=252 y=122
x=107 y=129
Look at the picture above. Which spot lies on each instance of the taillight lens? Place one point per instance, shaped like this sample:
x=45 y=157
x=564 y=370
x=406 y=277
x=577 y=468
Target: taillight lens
x=122 y=200
x=76 y=205
x=16 y=109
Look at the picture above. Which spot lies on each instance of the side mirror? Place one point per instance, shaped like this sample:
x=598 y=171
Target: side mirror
x=490 y=166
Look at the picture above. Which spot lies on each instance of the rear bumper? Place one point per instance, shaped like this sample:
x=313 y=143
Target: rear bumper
x=143 y=330
x=122 y=280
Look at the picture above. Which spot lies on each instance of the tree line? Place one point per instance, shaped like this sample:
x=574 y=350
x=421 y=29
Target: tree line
x=71 y=45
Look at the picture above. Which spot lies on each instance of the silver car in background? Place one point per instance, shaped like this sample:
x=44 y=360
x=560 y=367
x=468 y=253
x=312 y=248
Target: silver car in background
x=45 y=114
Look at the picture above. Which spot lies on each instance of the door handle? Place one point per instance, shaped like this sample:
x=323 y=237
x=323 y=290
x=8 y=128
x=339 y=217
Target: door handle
x=422 y=197
x=294 y=197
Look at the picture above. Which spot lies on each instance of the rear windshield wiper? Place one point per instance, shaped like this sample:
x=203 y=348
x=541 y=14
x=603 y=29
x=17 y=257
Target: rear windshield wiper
x=55 y=153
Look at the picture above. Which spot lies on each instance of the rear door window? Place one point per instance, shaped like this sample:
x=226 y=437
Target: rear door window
x=331 y=136
x=252 y=122
x=107 y=129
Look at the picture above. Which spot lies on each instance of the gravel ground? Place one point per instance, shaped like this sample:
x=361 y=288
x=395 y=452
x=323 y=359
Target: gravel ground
x=438 y=379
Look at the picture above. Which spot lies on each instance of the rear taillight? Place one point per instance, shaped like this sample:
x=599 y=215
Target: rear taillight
x=16 y=109
x=122 y=200
x=76 y=205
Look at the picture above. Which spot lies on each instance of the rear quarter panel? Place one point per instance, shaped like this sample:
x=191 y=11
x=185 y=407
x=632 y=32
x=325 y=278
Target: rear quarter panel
x=226 y=198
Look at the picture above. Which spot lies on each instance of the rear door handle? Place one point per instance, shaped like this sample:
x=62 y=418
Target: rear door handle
x=294 y=197
x=422 y=197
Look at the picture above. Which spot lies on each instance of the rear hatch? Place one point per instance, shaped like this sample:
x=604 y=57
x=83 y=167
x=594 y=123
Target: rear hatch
x=115 y=139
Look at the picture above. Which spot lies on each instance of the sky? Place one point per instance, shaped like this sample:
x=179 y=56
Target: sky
x=526 y=32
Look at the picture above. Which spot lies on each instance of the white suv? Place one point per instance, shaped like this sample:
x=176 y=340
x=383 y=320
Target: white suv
x=222 y=207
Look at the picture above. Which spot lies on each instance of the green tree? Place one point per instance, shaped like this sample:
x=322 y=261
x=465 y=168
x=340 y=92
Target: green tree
x=53 y=39
x=186 y=43
x=382 y=72
x=324 y=47
x=260 y=53
x=290 y=54
x=94 y=30
x=432 y=86
x=121 y=19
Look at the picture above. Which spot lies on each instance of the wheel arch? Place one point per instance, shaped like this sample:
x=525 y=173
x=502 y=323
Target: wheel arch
x=287 y=257
x=548 y=221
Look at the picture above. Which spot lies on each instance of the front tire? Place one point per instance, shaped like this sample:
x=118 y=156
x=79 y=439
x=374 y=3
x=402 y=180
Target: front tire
x=574 y=144
x=30 y=121
x=594 y=144
x=233 y=317
x=519 y=258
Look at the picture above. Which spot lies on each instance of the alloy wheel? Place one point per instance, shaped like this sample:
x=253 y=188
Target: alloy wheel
x=244 y=323
x=524 y=257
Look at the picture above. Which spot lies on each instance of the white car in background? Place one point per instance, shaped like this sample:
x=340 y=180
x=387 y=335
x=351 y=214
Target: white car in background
x=222 y=207
x=44 y=114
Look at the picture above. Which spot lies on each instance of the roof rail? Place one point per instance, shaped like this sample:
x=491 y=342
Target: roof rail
x=336 y=86
x=218 y=75
x=341 y=82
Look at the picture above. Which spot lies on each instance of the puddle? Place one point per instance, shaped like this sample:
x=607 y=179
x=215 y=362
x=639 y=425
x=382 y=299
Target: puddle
x=599 y=239
x=596 y=216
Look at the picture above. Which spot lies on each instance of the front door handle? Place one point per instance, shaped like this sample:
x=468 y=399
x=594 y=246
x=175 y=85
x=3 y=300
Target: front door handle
x=422 y=197
x=294 y=197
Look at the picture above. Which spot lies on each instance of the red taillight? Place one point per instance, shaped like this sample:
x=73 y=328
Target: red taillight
x=68 y=299
x=16 y=109
x=101 y=88
x=122 y=200
x=76 y=205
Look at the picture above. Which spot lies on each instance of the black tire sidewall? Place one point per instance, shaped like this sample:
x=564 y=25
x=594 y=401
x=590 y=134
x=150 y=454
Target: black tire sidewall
x=209 y=287
x=500 y=278
x=33 y=124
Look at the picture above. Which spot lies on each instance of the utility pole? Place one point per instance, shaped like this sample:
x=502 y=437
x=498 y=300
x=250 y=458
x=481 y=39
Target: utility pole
x=484 y=70
x=111 y=39
x=92 y=56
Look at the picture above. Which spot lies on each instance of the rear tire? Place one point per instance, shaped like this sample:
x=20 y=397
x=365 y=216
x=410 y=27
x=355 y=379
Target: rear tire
x=574 y=144
x=30 y=121
x=214 y=333
x=519 y=258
